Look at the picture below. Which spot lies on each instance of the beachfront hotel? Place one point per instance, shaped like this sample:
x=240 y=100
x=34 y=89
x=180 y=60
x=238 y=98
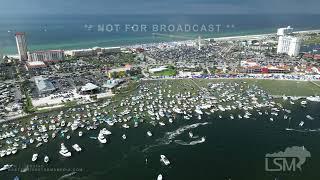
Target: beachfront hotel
x=21 y=46
x=46 y=56
x=288 y=44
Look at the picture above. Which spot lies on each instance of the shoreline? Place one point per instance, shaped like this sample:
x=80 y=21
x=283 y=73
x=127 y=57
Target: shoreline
x=60 y=106
x=223 y=38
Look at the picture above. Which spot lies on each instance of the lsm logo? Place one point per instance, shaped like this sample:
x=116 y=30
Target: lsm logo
x=289 y=160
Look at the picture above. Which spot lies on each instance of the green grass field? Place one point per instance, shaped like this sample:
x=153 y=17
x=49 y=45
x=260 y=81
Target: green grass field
x=168 y=72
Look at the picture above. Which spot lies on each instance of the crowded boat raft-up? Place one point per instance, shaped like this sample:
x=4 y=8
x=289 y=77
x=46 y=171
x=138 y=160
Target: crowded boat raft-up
x=158 y=103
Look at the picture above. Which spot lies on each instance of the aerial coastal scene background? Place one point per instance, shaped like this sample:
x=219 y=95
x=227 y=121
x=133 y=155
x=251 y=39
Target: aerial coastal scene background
x=72 y=31
x=163 y=90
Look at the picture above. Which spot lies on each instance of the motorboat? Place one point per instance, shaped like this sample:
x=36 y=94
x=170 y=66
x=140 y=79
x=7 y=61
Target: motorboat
x=309 y=117
x=164 y=160
x=162 y=124
x=190 y=134
x=159 y=177
x=80 y=133
x=34 y=157
x=198 y=110
x=102 y=139
x=104 y=131
x=125 y=126
x=301 y=123
x=46 y=159
x=124 y=136
x=303 y=102
x=64 y=151
x=6 y=167
x=149 y=133
x=76 y=147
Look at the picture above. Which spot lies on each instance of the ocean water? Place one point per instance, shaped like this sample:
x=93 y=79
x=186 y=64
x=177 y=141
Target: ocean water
x=233 y=149
x=70 y=32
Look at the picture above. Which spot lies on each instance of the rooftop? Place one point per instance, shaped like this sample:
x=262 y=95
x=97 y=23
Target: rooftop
x=89 y=87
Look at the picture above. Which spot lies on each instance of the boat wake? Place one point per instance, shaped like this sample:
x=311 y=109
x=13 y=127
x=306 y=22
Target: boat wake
x=199 y=141
x=170 y=136
x=67 y=175
x=25 y=169
x=303 y=130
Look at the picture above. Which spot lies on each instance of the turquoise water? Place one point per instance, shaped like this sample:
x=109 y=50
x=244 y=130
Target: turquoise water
x=69 y=32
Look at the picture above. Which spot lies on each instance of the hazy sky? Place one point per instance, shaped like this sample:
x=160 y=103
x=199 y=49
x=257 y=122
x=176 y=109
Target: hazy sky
x=9 y=7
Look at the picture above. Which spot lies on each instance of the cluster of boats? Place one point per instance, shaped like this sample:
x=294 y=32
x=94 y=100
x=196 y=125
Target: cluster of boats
x=156 y=102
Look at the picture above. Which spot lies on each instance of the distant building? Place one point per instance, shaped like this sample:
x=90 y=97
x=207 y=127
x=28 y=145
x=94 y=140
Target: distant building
x=265 y=70
x=89 y=88
x=110 y=84
x=92 y=52
x=248 y=64
x=35 y=65
x=22 y=45
x=158 y=69
x=284 y=31
x=289 y=45
x=80 y=52
x=43 y=85
x=113 y=73
x=46 y=56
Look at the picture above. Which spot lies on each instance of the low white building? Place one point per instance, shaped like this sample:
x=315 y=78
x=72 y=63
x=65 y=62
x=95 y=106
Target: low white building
x=43 y=85
x=92 y=51
x=80 y=52
x=158 y=69
x=46 y=56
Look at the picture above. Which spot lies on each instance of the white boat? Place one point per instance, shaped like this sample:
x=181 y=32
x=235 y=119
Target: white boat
x=177 y=110
x=309 y=117
x=190 y=134
x=76 y=147
x=102 y=139
x=314 y=98
x=198 y=110
x=164 y=159
x=125 y=126
x=14 y=150
x=64 y=151
x=34 y=157
x=6 y=167
x=162 y=124
x=80 y=133
x=46 y=159
x=74 y=126
x=124 y=136
x=170 y=120
x=149 y=133
x=159 y=177
x=104 y=131
x=303 y=102
x=301 y=123
x=2 y=153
